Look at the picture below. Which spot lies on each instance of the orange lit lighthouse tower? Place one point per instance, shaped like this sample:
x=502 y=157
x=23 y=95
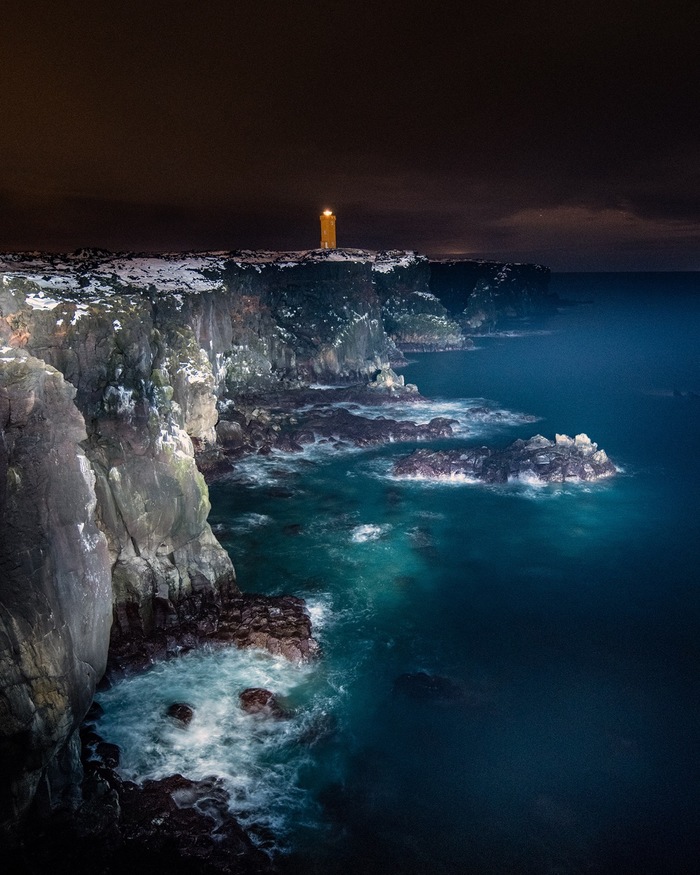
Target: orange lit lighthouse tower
x=327 y=230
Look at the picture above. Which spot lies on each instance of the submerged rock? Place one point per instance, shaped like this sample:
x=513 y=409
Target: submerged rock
x=181 y=712
x=564 y=459
x=256 y=700
x=320 y=729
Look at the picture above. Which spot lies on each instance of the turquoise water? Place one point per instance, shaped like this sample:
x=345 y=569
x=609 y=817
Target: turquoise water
x=567 y=617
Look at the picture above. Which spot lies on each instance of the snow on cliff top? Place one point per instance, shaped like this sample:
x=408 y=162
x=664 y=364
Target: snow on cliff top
x=90 y=272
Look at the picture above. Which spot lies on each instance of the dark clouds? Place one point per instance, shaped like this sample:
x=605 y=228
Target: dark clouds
x=564 y=133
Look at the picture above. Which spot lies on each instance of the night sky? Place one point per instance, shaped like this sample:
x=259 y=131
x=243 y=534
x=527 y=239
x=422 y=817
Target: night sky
x=530 y=130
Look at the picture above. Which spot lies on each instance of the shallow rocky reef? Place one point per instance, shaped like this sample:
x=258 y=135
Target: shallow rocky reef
x=537 y=460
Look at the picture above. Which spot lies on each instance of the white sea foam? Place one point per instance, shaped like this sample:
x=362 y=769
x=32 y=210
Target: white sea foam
x=514 y=333
x=474 y=416
x=248 y=521
x=320 y=611
x=258 y=759
x=528 y=478
x=368 y=532
x=266 y=471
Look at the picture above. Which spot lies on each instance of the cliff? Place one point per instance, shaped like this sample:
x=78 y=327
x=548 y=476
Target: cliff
x=55 y=585
x=480 y=294
x=414 y=317
x=115 y=371
x=143 y=349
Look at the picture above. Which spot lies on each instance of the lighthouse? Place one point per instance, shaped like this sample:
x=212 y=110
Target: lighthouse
x=327 y=230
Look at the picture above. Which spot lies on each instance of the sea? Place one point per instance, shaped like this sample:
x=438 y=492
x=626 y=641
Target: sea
x=509 y=677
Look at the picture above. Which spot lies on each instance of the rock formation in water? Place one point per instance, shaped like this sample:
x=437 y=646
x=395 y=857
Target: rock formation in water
x=537 y=460
x=115 y=374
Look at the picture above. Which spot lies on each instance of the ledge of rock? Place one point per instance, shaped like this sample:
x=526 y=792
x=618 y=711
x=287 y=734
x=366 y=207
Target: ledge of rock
x=278 y=624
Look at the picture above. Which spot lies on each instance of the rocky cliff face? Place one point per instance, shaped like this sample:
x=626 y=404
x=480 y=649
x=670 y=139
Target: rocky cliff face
x=148 y=346
x=141 y=382
x=414 y=318
x=116 y=370
x=55 y=584
x=151 y=345
x=480 y=294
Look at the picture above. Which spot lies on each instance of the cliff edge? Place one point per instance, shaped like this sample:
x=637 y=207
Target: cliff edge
x=55 y=585
x=114 y=370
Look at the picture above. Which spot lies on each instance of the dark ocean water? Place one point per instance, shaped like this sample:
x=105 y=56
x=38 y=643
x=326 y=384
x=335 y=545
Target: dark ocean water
x=566 y=619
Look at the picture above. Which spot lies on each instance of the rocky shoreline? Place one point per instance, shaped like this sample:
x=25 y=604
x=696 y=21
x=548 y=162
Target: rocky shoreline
x=278 y=624
x=125 y=381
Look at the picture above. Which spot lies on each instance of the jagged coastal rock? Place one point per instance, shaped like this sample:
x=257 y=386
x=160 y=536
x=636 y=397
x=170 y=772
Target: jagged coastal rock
x=279 y=624
x=55 y=586
x=122 y=378
x=537 y=460
x=414 y=317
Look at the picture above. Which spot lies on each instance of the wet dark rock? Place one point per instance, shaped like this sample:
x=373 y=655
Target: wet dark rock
x=564 y=459
x=279 y=624
x=293 y=529
x=340 y=424
x=256 y=700
x=181 y=712
x=304 y=437
x=287 y=444
x=173 y=825
x=95 y=711
x=289 y=421
x=89 y=737
x=108 y=753
x=178 y=821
